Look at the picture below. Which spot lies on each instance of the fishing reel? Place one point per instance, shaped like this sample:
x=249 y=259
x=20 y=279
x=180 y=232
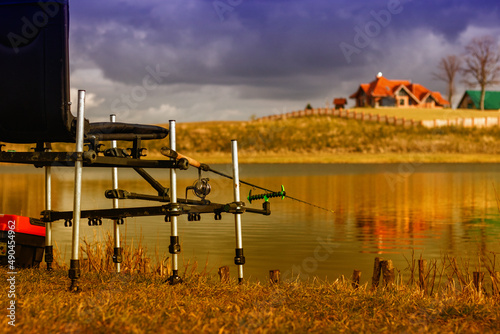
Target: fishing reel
x=201 y=188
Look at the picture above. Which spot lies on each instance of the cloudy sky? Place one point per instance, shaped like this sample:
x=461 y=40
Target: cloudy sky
x=196 y=60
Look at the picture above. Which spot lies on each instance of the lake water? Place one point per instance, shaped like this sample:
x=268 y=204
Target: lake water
x=387 y=210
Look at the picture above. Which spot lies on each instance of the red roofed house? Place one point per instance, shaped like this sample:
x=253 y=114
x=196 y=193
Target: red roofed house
x=383 y=92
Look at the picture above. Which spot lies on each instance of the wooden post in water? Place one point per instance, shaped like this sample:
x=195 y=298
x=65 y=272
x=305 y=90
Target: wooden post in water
x=495 y=282
x=274 y=276
x=376 y=273
x=356 y=275
x=387 y=272
x=224 y=274
x=478 y=280
x=421 y=275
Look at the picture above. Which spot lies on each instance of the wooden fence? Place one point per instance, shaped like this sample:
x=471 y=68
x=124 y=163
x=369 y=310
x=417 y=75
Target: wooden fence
x=399 y=121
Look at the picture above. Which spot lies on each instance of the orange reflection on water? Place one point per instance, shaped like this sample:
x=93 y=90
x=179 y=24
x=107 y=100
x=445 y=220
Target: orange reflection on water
x=436 y=210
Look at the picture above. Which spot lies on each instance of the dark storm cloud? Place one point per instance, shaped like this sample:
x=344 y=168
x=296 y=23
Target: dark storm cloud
x=258 y=40
x=281 y=50
x=448 y=17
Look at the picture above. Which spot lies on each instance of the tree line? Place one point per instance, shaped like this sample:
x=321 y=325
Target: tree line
x=479 y=66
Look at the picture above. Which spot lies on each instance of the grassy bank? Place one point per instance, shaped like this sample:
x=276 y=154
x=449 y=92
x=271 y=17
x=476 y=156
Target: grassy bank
x=329 y=135
x=139 y=301
x=325 y=139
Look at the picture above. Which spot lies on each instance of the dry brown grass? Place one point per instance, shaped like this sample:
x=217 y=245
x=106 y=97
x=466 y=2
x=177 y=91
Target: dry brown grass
x=139 y=301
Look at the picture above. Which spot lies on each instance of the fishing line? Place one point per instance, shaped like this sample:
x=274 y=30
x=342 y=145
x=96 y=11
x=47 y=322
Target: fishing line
x=268 y=190
x=204 y=167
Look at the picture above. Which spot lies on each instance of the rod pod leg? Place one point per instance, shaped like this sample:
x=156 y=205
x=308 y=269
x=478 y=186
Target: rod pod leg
x=239 y=259
x=49 y=253
x=74 y=270
x=174 y=247
x=117 y=251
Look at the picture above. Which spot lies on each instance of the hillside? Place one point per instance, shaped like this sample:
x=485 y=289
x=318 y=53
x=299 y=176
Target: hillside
x=326 y=139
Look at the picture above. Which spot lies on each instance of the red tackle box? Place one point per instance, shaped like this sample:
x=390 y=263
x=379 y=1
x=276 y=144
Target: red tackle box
x=29 y=241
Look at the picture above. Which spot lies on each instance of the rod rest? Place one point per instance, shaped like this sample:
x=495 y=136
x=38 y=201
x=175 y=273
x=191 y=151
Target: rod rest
x=171 y=209
x=124 y=131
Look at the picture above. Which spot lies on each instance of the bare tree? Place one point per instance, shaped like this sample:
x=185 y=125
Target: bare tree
x=482 y=68
x=448 y=68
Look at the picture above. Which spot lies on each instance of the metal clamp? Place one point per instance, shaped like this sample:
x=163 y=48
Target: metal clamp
x=89 y=156
x=183 y=164
x=77 y=156
x=49 y=256
x=46 y=216
x=74 y=269
x=173 y=209
x=74 y=274
x=239 y=259
x=175 y=246
x=117 y=255
x=235 y=207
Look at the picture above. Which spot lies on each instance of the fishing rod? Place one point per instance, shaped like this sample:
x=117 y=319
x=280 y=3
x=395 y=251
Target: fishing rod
x=176 y=155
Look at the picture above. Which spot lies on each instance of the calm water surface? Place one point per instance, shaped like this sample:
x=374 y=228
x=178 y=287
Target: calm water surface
x=388 y=210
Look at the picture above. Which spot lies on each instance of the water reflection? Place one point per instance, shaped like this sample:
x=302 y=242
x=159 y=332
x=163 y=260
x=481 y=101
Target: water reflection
x=436 y=210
